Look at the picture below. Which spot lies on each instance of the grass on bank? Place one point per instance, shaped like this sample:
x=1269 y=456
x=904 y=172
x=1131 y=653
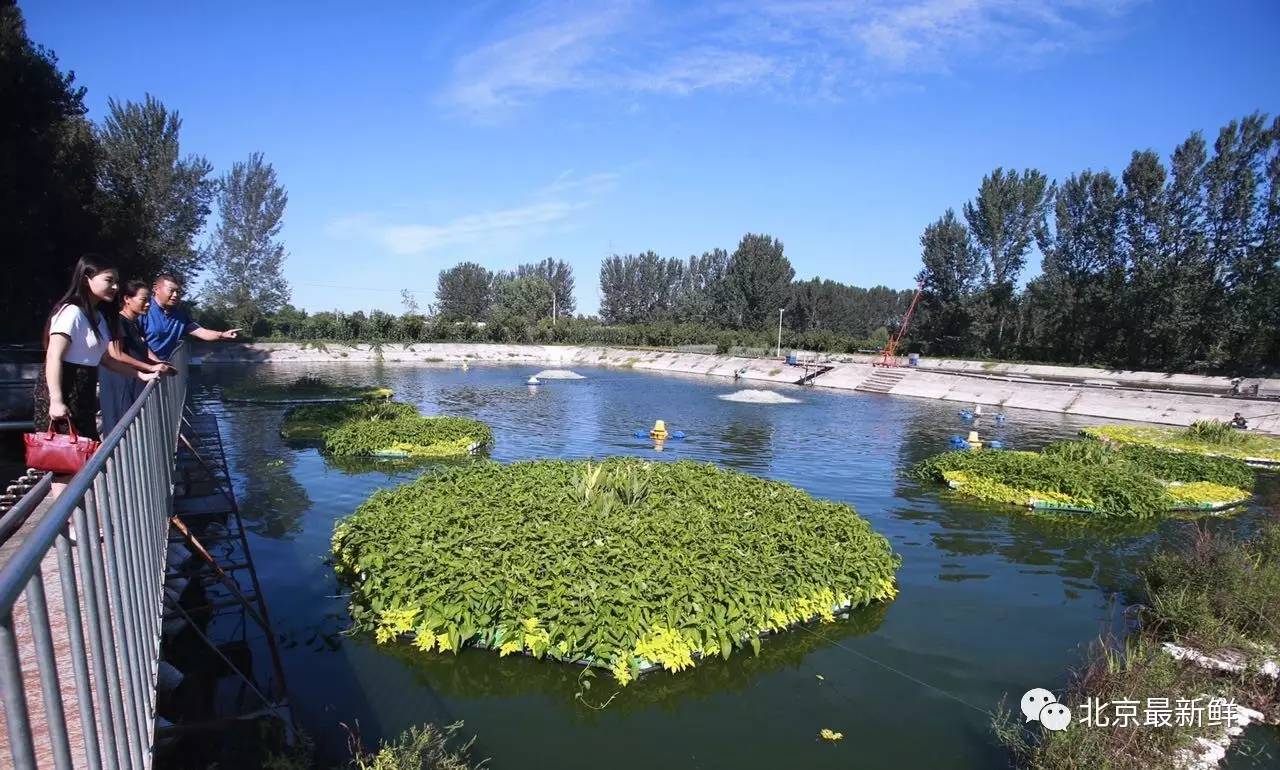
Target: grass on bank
x=306 y=387
x=1207 y=437
x=1100 y=480
x=1214 y=593
x=622 y=564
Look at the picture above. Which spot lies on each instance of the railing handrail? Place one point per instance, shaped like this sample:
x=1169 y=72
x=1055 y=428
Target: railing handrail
x=18 y=569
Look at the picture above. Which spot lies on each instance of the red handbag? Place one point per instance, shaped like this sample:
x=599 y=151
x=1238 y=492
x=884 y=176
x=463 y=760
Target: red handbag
x=59 y=452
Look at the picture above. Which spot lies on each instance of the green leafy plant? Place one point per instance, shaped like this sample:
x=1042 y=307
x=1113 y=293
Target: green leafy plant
x=1214 y=432
x=419 y=748
x=620 y=564
x=309 y=422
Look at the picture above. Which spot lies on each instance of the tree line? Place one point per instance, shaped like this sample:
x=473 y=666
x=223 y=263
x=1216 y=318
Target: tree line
x=122 y=188
x=1172 y=267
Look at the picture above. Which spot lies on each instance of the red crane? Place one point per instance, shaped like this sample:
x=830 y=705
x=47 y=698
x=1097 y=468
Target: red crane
x=891 y=350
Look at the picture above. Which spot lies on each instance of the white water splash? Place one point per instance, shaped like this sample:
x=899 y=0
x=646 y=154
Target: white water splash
x=558 y=374
x=751 y=396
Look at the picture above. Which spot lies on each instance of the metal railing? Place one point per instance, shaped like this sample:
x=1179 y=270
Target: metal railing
x=77 y=677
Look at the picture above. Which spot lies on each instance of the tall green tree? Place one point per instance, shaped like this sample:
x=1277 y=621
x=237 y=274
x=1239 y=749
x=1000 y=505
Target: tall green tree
x=47 y=194
x=464 y=292
x=703 y=292
x=950 y=281
x=246 y=253
x=1005 y=219
x=1181 y=336
x=1082 y=271
x=759 y=281
x=1144 y=218
x=1237 y=203
x=520 y=301
x=639 y=288
x=155 y=200
x=559 y=275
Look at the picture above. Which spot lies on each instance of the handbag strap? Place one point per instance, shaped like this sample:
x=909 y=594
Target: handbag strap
x=71 y=427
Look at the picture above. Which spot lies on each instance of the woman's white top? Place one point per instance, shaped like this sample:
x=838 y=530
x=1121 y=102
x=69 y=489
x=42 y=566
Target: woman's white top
x=85 y=348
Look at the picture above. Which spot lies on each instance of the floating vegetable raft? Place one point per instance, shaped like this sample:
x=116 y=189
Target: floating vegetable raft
x=1212 y=439
x=1087 y=477
x=385 y=430
x=625 y=565
x=309 y=422
x=304 y=390
x=407 y=437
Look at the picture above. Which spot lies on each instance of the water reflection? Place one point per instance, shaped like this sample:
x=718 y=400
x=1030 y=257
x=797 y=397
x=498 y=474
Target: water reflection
x=272 y=502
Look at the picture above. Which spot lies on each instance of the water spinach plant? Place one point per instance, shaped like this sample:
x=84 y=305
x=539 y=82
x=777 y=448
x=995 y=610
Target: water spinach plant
x=621 y=564
x=386 y=429
x=407 y=436
x=310 y=421
x=1207 y=437
x=1109 y=481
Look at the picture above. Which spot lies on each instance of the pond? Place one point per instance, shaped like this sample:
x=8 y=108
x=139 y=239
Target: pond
x=992 y=602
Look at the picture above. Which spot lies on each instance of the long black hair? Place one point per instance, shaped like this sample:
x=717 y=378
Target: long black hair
x=78 y=293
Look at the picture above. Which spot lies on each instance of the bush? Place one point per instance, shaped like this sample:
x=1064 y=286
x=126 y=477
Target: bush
x=1217 y=592
x=622 y=564
x=407 y=436
x=1214 y=432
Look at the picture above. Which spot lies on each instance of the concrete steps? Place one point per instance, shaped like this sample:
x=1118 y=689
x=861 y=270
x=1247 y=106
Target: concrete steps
x=882 y=380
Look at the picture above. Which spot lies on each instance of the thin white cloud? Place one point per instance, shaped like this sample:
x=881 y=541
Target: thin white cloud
x=549 y=206
x=807 y=48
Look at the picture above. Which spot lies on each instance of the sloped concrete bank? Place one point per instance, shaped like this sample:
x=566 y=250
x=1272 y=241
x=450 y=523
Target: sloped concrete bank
x=1108 y=395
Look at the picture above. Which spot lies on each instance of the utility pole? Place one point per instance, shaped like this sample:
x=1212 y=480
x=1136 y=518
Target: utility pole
x=780 y=331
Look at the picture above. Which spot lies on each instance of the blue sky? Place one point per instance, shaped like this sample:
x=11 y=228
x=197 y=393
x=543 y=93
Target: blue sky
x=412 y=136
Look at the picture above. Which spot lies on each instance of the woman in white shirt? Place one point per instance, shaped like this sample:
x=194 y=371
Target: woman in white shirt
x=76 y=340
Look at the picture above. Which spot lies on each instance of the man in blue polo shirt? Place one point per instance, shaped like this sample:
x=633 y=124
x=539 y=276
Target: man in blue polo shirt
x=167 y=322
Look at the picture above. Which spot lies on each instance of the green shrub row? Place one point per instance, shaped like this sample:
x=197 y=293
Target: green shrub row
x=622 y=564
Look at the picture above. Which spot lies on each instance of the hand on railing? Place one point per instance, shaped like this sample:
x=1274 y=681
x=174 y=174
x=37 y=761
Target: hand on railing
x=162 y=368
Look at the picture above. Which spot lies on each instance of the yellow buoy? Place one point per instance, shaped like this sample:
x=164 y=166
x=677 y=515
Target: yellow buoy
x=659 y=430
x=974 y=441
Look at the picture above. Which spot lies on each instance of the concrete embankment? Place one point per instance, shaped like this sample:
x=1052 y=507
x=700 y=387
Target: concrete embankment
x=1142 y=396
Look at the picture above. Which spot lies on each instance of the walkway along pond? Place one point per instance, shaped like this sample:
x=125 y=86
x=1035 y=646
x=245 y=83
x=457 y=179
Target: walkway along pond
x=991 y=602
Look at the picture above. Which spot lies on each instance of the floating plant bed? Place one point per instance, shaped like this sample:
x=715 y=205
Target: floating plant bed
x=624 y=565
x=407 y=437
x=1079 y=479
x=309 y=422
x=1208 y=438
